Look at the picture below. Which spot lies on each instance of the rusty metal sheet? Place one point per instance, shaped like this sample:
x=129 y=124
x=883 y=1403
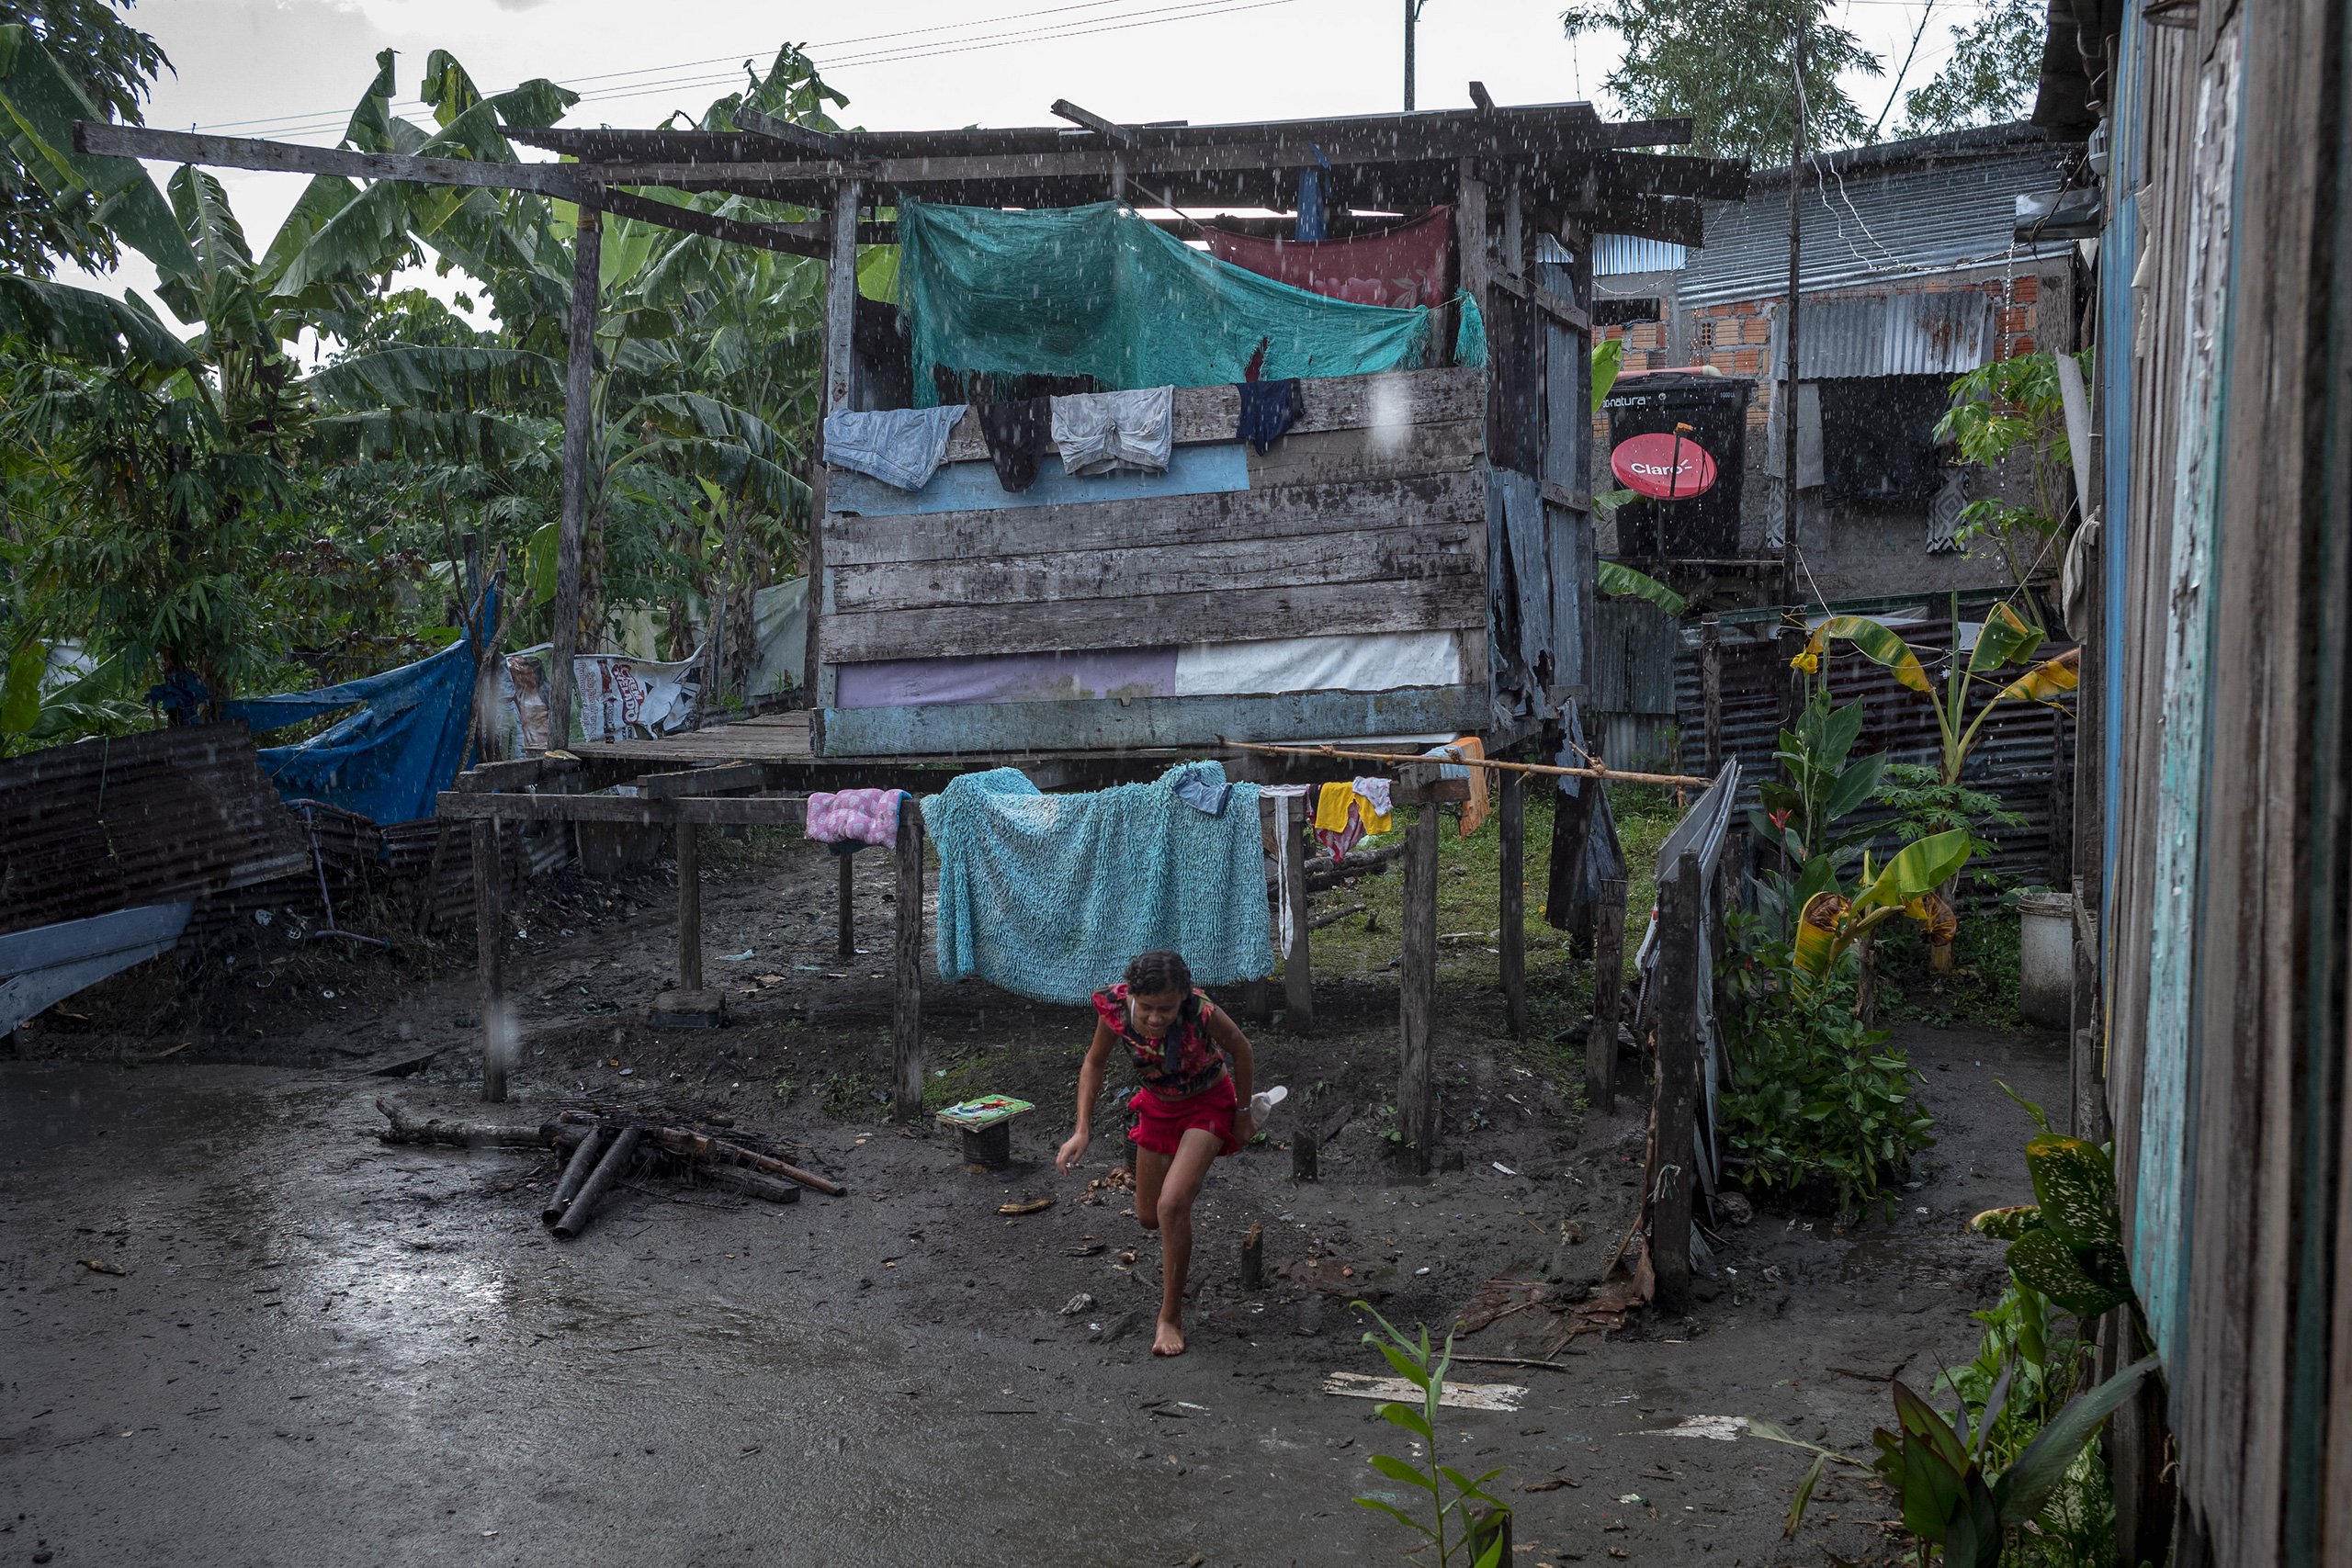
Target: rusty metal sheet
x=107 y=823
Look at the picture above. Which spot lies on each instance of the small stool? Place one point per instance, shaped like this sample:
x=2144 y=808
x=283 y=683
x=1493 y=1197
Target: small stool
x=987 y=1126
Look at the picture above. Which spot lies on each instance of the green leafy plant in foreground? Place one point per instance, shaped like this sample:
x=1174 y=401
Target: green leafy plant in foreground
x=1459 y=1535
x=2068 y=1245
x=1936 y=1468
x=1814 y=1096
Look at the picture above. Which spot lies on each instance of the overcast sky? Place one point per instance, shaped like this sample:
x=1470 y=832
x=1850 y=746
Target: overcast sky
x=292 y=69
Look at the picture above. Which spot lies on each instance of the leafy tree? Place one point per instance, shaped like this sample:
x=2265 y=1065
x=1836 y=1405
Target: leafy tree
x=1728 y=67
x=1992 y=75
x=111 y=63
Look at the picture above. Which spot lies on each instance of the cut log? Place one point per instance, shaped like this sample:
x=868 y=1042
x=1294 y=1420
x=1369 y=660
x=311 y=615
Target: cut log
x=454 y=1134
x=751 y=1183
x=575 y=1174
x=610 y=1169
x=707 y=1150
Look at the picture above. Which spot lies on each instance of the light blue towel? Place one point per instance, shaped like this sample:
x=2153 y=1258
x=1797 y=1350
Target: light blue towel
x=1048 y=895
x=899 y=446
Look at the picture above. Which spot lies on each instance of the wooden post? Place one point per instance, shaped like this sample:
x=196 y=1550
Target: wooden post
x=1608 y=997
x=1416 y=1055
x=688 y=839
x=845 y=942
x=841 y=379
x=1512 y=840
x=1711 y=691
x=905 y=1000
x=490 y=919
x=578 y=438
x=1681 y=905
x=1298 y=964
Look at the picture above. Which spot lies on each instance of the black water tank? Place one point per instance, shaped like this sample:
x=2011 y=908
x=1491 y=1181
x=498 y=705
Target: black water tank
x=1700 y=527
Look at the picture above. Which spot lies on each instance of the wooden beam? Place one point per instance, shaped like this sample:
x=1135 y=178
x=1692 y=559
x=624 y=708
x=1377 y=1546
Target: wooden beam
x=105 y=139
x=578 y=438
x=1608 y=997
x=1143 y=620
x=724 y=778
x=749 y=810
x=844 y=908
x=490 y=930
x=1512 y=845
x=1417 y=986
x=905 y=997
x=792 y=239
x=1298 y=963
x=822 y=143
x=1681 y=901
x=840 y=372
x=1482 y=99
x=688 y=837
x=942 y=729
x=1116 y=134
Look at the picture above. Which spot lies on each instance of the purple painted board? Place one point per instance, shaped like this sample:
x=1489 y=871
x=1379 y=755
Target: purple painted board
x=1009 y=678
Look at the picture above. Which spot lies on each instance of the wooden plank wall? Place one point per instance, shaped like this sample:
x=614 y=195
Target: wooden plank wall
x=1370 y=517
x=2227 y=1083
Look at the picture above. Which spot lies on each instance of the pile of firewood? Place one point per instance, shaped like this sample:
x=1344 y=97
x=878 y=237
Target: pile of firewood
x=605 y=1147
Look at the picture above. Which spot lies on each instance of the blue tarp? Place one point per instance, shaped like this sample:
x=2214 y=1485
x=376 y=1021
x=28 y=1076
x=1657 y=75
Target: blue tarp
x=389 y=760
x=1048 y=895
x=1098 y=291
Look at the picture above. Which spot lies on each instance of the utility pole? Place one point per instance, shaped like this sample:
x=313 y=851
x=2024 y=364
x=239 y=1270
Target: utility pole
x=1412 y=15
x=1790 y=395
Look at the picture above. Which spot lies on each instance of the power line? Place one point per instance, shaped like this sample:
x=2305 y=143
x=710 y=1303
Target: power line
x=298 y=125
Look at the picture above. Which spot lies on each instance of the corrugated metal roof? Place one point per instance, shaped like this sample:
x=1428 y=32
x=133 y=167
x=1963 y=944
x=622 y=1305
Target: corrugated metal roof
x=1875 y=224
x=1613 y=255
x=1898 y=335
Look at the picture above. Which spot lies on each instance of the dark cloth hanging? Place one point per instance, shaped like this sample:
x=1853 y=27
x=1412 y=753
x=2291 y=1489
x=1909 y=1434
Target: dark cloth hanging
x=1020 y=433
x=1268 y=410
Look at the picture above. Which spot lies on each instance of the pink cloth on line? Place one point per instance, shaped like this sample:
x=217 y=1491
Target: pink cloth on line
x=865 y=816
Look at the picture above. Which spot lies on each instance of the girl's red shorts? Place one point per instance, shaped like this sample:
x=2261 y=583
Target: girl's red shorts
x=1160 y=1123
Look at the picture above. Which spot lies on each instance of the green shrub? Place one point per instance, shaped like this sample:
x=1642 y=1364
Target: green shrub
x=1815 y=1104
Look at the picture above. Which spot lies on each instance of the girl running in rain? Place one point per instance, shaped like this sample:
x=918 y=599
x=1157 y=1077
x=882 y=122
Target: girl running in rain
x=1195 y=1105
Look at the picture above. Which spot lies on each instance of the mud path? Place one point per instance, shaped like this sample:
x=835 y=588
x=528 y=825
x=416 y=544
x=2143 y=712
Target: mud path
x=325 y=1351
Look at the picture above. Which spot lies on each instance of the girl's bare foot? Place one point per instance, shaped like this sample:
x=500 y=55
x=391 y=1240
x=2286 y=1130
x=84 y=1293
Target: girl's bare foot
x=1169 y=1340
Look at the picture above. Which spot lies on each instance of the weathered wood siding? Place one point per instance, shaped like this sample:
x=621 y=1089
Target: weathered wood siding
x=1370 y=517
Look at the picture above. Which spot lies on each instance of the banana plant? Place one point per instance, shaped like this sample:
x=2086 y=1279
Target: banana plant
x=1832 y=922
x=2006 y=639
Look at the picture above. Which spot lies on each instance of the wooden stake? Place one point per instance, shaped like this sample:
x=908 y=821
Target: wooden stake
x=1711 y=691
x=687 y=837
x=845 y=942
x=579 y=417
x=1416 y=1059
x=1600 y=769
x=1511 y=815
x=905 y=1000
x=1254 y=1258
x=1298 y=964
x=1608 y=997
x=1681 y=905
x=490 y=918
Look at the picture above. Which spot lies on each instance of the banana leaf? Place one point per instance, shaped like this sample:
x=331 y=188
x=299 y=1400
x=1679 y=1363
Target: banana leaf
x=41 y=101
x=2005 y=638
x=1874 y=640
x=1622 y=582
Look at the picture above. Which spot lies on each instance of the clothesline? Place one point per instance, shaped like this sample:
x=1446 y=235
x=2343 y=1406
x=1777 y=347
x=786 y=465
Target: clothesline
x=1598 y=770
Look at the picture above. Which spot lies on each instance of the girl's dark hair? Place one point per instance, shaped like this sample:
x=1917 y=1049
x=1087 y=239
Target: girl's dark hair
x=1159 y=972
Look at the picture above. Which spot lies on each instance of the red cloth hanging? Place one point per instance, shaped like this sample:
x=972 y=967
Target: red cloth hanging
x=1409 y=264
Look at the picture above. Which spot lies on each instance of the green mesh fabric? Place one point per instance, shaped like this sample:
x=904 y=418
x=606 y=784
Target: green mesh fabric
x=1098 y=291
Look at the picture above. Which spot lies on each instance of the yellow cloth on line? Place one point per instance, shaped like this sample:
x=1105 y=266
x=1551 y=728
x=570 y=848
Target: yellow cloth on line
x=1475 y=813
x=1331 y=803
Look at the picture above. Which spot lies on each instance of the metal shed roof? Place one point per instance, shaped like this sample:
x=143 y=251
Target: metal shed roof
x=1876 y=220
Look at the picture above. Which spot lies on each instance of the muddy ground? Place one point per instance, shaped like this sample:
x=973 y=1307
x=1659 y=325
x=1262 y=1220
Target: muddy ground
x=320 y=1350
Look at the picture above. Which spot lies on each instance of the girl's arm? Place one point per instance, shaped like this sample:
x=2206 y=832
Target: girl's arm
x=1089 y=1088
x=1228 y=1033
